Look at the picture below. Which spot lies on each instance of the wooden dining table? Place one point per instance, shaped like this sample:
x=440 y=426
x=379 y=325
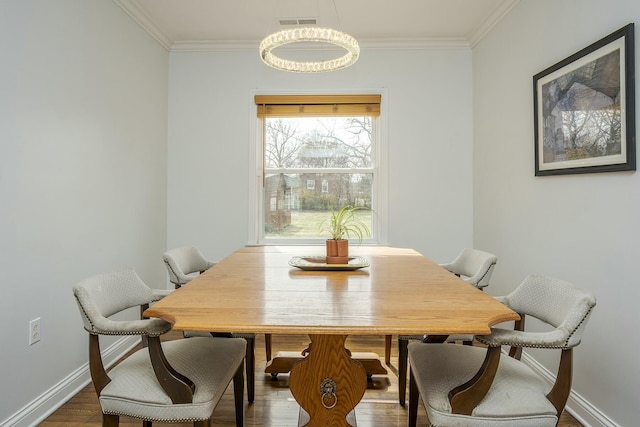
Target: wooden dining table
x=398 y=291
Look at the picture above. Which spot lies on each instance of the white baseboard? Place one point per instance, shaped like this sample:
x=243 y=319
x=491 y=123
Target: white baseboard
x=583 y=411
x=39 y=409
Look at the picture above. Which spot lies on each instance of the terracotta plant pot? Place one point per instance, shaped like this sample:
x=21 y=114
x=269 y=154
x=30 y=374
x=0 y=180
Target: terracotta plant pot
x=337 y=251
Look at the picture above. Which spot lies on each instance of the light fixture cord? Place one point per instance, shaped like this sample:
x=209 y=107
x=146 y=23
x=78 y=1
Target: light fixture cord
x=335 y=9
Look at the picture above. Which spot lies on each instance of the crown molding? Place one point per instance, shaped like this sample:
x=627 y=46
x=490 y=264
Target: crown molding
x=497 y=15
x=241 y=46
x=420 y=43
x=214 y=46
x=142 y=19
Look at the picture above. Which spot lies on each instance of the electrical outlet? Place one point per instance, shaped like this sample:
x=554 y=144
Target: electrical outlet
x=34 y=331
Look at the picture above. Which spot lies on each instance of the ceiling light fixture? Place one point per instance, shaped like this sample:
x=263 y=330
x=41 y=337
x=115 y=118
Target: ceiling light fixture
x=310 y=35
x=314 y=35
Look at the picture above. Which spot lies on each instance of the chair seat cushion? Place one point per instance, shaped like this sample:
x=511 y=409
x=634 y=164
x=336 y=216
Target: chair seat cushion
x=209 y=362
x=516 y=398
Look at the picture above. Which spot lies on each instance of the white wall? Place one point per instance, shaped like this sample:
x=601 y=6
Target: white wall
x=83 y=118
x=580 y=228
x=428 y=123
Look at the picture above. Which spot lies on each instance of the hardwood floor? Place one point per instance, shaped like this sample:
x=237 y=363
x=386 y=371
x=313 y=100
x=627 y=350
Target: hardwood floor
x=274 y=405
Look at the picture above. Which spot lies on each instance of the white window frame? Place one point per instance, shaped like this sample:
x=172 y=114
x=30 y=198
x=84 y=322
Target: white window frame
x=311 y=184
x=256 y=167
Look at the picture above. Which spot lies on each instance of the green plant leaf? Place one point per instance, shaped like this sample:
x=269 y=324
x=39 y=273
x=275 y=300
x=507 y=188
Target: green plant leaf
x=344 y=223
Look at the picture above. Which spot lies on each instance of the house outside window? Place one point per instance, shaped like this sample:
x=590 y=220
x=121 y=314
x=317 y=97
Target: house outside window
x=307 y=139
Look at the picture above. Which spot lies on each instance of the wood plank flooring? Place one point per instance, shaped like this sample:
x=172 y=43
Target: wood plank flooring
x=274 y=405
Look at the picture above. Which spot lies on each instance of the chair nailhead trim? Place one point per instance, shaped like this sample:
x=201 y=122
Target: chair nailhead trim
x=160 y=420
x=565 y=346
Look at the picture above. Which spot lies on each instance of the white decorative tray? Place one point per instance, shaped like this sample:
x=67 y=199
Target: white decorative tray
x=319 y=263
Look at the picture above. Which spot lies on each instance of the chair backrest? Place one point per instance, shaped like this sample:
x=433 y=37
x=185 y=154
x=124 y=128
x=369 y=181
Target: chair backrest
x=183 y=261
x=476 y=266
x=104 y=295
x=556 y=302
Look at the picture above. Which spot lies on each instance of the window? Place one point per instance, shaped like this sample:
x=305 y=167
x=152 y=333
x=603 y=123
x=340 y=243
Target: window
x=316 y=153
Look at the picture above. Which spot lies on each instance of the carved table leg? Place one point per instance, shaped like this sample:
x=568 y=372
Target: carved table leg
x=328 y=384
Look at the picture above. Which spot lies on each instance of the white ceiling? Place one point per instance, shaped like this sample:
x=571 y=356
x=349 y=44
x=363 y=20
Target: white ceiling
x=183 y=24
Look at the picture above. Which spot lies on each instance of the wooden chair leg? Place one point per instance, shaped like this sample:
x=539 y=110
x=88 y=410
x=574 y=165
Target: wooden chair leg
x=562 y=387
x=267 y=346
x=402 y=370
x=387 y=349
x=110 y=420
x=146 y=423
x=238 y=395
x=205 y=423
x=250 y=360
x=414 y=394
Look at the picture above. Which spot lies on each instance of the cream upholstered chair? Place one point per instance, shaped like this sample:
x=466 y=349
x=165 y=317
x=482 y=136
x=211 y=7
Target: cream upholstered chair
x=474 y=267
x=173 y=381
x=184 y=264
x=475 y=386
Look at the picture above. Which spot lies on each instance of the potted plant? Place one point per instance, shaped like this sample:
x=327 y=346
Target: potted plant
x=341 y=225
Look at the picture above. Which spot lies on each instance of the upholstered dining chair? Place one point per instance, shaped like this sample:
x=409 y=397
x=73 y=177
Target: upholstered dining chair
x=184 y=264
x=477 y=386
x=474 y=267
x=174 y=381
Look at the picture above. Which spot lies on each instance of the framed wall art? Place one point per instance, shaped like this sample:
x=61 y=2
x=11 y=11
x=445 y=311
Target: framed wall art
x=584 y=109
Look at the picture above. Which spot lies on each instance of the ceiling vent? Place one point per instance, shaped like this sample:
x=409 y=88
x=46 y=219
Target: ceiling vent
x=297 y=21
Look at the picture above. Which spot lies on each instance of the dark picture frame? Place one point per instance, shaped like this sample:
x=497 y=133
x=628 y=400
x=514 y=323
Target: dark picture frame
x=584 y=109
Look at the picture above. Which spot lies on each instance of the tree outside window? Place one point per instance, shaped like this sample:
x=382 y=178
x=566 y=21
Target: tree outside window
x=337 y=152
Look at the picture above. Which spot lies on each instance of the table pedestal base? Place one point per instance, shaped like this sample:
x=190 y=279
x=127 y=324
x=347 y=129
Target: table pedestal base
x=328 y=384
x=303 y=418
x=284 y=361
